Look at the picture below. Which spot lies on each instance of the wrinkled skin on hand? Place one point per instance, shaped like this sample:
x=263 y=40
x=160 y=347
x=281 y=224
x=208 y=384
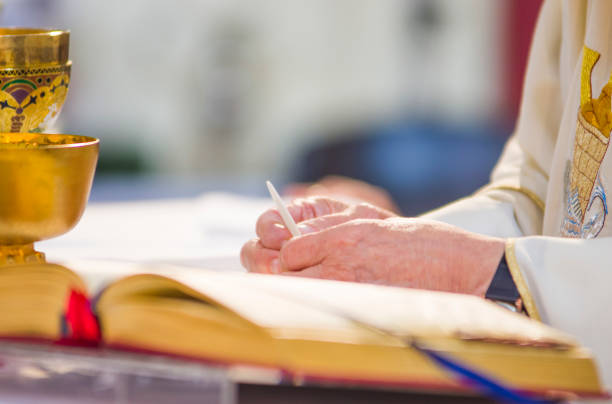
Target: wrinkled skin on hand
x=348 y=245
x=404 y=252
x=312 y=214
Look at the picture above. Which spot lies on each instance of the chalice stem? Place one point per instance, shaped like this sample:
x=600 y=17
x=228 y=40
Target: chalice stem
x=20 y=254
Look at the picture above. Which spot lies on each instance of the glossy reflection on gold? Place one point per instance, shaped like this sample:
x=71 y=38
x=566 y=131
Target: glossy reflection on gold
x=44 y=185
x=31 y=47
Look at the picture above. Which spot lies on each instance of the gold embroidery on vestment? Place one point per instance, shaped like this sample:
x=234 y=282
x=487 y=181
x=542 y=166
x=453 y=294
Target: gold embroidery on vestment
x=597 y=111
x=589 y=58
x=593 y=125
x=589 y=150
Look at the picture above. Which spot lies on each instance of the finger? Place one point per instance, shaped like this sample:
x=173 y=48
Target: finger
x=256 y=258
x=325 y=222
x=359 y=211
x=304 y=251
x=317 y=206
x=271 y=229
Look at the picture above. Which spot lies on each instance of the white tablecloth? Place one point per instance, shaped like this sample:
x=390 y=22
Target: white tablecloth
x=207 y=231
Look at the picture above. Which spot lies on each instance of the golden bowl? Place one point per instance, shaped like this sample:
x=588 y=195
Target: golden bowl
x=34 y=77
x=44 y=185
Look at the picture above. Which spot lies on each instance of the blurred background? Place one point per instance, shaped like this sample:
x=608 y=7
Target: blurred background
x=417 y=96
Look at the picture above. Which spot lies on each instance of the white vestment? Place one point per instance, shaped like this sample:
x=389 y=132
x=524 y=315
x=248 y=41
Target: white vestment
x=548 y=192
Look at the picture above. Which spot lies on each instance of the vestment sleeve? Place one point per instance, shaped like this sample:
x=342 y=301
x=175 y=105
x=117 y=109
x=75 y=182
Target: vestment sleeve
x=512 y=204
x=563 y=282
x=566 y=283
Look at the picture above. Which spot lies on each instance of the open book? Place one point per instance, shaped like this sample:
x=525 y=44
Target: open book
x=311 y=331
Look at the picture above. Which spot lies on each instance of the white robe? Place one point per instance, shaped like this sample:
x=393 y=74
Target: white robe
x=547 y=194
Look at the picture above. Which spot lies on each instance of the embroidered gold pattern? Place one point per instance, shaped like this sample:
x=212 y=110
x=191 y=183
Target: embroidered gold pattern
x=589 y=149
x=519 y=281
x=589 y=58
x=597 y=112
x=586 y=197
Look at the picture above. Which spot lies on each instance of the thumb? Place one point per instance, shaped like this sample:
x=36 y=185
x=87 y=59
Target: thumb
x=303 y=251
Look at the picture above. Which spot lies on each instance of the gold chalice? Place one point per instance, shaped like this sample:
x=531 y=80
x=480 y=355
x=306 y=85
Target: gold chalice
x=45 y=181
x=34 y=77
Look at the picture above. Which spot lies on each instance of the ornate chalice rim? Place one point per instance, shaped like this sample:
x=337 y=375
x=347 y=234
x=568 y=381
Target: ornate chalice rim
x=30 y=47
x=37 y=141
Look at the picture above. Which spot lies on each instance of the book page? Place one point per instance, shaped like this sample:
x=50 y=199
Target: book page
x=98 y=274
x=273 y=312
x=413 y=312
x=285 y=302
x=259 y=307
x=276 y=301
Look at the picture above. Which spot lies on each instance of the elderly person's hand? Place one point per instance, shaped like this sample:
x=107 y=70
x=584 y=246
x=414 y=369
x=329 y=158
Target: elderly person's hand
x=405 y=252
x=339 y=243
x=312 y=214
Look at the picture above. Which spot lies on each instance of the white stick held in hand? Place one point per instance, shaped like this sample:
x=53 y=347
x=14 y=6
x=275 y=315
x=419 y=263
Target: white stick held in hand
x=282 y=209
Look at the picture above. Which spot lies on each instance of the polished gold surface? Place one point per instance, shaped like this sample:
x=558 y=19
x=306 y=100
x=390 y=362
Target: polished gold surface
x=44 y=185
x=31 y=47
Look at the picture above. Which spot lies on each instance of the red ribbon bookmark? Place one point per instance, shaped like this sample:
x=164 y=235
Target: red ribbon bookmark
x=82 y=323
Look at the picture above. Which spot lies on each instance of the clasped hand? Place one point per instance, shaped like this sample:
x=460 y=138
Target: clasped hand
x=363 y=243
